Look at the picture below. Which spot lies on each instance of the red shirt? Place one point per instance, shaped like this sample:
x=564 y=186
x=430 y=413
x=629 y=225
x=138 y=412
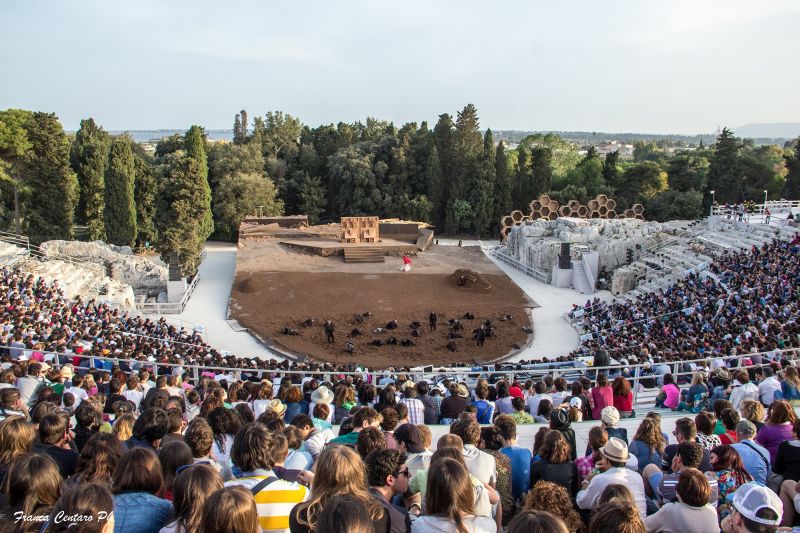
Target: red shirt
x=623 y=403
x=729 y=437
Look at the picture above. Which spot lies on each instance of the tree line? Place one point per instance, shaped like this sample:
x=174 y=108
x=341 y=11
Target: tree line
x=453 y=175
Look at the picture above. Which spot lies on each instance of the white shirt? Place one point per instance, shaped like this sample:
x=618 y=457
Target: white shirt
x=133 y=396
x=534 y=401
x=748 y=391
x=767 y=389
x=480 y=464
x=79 y=394
x=587 y=498
x=474 y=524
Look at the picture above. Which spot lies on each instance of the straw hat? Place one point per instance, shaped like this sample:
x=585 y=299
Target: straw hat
x=67 y=371
x=462 y=391
x=322 y=395
x=615 y=450
x=277 y=407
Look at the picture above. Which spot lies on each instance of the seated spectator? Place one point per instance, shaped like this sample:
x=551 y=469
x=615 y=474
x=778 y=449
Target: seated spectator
x=790 y=386
x=298 y=459
x=456 y=403
x=449 y=502
x=787 y=459
x=363 y=418
x=389 y=421
x=554 y=499
x=730 y=475
x=535 y=397
x=200 y=439
x=225 y=423
x=173 y=457
x=252 y=454
x=123 y=427
x=520 y=457
x=388 y=477
x=754 y=509
x=97 y=460
x=602 y=395
x=559 y=421
x=54 y=439
x=754 y=457
x=480 y=464
x=149 y=429
x=754 y=412
x=492 y=443
x=191 y=491
x=768 y=385
x=705 y=422
x=597 y=439
x=669 y=396
x=339 y=472
x=135 y=483
x=519 y=415
x=314 y=439
x=33 y=485
x=410 y=439
x=263 y=398
x=778 y=428
x=692 y=512
x=175 y=426
x=88 y=419
x=542 y=415
x=623 y=397
x=730 y=417
x=648 y=444
x=230 y=510
x=693 y=396
x=16 y=441
x=344 y=400
x=661 y=486
x=685 y=431
x=609 y=418
x=11 y=404
x=91 y=500
x=612 y=468
x=345 y=514
x=719 y=407
x=555 y=464
x=617 y=517
x=532 y=521
x=742 y=389
x=369 y=440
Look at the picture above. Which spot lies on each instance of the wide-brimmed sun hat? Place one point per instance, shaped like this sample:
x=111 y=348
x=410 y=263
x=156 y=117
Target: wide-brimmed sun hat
x=322 y=395
x=615 y=450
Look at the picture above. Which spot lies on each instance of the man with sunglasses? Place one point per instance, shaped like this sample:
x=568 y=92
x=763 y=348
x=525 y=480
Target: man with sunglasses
x=388 y=476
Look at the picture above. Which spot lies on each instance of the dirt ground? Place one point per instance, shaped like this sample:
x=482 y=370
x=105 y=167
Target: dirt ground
x=276 y=287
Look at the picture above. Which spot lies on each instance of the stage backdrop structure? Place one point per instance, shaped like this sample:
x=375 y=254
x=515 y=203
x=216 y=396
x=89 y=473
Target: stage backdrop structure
x=546 y=208
x=360 y=230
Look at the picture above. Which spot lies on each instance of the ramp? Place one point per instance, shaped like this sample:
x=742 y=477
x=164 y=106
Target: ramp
x=424 y=240
x=364 y=254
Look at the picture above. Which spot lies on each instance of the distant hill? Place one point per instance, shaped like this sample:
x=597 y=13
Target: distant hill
x=772 y=130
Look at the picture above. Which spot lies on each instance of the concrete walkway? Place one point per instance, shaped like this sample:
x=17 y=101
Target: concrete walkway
x=209 y=304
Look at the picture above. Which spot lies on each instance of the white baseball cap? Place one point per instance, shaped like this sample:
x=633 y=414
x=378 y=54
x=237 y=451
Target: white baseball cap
x=752 y=497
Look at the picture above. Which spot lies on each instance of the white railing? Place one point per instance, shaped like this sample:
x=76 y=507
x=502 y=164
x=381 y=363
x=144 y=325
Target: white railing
x=169 y=308
x=775 y=207
x=589 y=276
x=537 y=274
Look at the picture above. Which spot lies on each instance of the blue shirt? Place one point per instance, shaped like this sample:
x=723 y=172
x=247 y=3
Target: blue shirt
x=140 y=512
x=757 y=463
x=520 y=469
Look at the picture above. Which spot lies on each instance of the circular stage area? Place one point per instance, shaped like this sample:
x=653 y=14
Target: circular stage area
x=284 y=295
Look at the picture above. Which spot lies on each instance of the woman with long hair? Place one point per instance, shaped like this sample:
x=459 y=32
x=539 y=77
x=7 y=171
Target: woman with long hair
x=16 y=440
x=194 y=485
x=553 y=498
x=91 y=500
x=173 y=456
x=542 y=415
x=295 y=404
x=135 y=483
x=97 y=460
x=616 y=517
x=492 y=443
x=345 y=514
x=225 y=423
x=230 y=510
x=598 y=437
x=623 y=397
x=123 y=427
x=730 y=473
x=790 y=386
x=753 y=411
x=450 y=503
x=538 y=522
x=344 y=400
x=339 y=471
x=778 y=428
x=648 y=444
x=33 y=485
x=555 y=464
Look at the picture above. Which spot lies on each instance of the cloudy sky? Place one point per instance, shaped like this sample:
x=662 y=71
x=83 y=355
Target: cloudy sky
x=622 y=66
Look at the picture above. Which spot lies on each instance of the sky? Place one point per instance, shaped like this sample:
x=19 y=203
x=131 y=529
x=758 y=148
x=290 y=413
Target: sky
x=641 y=66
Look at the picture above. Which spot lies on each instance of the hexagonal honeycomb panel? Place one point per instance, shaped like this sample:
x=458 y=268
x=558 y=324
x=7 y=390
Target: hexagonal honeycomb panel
x=583 y=211
x=517 y=215
x=611 y=204
x=638 y=209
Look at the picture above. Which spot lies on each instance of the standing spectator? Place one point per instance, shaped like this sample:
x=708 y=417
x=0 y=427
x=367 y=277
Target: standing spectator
x=551 y=498
x=612 y=467
x=252 y=454
x=480 y=464
x=520 y=457
x=416 y=409
x=602 y=395
x=691 y=513
x=54 y=439
x=754 y=457
x=730 y=475
x=388 y=476
x=555 y=464
x=33 y=486
x=136 y=481
x=705 y=422
x=778 y=428
x=648 y=444
x=192 y=489
x=623 y=397
x=449 y=502
x=492 y=443
x=339 y=472
x=230 y=510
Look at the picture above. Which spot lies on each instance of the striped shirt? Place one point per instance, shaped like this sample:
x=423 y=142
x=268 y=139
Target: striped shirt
x=416 y=410
x=275 y=501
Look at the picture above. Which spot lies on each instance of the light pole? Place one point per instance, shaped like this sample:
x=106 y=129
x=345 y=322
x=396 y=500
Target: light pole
x=764 y=214
x=711 y=211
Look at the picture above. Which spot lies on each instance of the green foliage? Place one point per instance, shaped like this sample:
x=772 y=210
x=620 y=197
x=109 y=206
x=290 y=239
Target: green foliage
x=522 y=187
x=14 y=149
x=240 y=126
x=462 y=215
x=502 y=184
x=762 y=168
x=687 y=172
x=611 y=168
x=357 y=191
x=675 y=204
x=89 y=159
x=587 y=175
x=312 y=198
x=647 y=151
x=241 y=194
x=724 y=175
x=195 y=149
x=227 y=159
x=281 y=131
x=170 y=145
x=52 y=184
x=541 y=172
x=792 y=161
x=145 y=188
x=481 y=196
x=120 y=207
x=639 y=183
x=565 y=153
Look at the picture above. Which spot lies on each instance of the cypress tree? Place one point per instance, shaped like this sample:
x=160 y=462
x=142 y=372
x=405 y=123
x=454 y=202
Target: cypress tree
x=610 y=168
x=237 y=129
x=444 y=140
x=541 y=176
x=120 y=210
x=145 y=196
x=502 y=184
x=195 y=149
x=792 y=160
x=89 y=158
x=52 y=184
x=521 y=188
x=482 y=187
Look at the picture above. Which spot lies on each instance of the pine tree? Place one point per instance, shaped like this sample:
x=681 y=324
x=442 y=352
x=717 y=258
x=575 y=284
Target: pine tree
x=52 y=184
x=502 y=184
x=792 y=161
x=723 y=174
x=195 y=149
x=89 y=159
x=120 y=208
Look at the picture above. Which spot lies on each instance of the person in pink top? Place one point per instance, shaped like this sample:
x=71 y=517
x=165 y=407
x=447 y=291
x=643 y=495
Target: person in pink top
x=778 y=427
x=670 y=393
x=602 y=395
